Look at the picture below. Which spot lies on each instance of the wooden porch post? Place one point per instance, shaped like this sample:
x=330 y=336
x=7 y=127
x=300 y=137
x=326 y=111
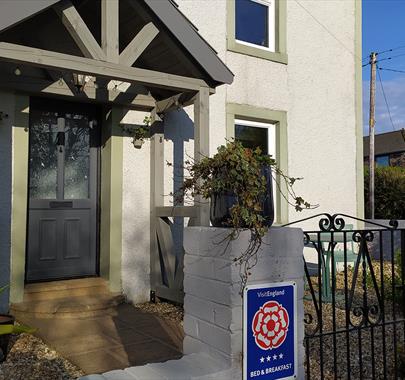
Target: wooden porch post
x=201 y=148
x=156 y=198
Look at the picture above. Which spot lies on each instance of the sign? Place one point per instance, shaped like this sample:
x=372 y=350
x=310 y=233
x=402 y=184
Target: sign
x=270 y=331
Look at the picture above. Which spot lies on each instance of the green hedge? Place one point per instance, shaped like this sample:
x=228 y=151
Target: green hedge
x=389 y=193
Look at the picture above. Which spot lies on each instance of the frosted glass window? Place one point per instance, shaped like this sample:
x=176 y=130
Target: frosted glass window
x=43 y=155
x=77 y=157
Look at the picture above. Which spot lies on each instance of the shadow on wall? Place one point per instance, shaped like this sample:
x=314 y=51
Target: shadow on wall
x=178 y=128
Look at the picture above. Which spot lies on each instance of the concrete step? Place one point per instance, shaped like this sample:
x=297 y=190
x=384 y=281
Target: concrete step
x=199 y=366
x=66 y=288
x=69 y=307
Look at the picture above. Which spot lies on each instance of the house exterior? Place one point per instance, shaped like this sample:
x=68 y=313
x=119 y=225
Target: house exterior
x=284 y=75
x=389 y=149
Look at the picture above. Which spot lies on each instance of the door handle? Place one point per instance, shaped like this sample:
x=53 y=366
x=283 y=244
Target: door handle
x=60 y=139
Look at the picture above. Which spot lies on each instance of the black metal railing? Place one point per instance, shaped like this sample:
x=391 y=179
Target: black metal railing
x=354 y=299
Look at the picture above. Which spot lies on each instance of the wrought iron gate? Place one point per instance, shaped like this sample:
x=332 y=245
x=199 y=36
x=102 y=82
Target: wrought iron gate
x=354 y=299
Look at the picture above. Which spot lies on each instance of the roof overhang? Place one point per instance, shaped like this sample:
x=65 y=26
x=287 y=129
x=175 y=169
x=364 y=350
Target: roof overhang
x=206 y=65
x=13 y=13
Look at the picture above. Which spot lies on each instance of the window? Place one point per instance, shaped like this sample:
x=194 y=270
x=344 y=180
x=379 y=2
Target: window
x=258 y=28
x=255 y=126
x=383 y=160
x=254 y=23
x=253 y=134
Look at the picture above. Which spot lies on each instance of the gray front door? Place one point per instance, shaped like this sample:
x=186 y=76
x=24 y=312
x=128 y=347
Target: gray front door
x=63 y=174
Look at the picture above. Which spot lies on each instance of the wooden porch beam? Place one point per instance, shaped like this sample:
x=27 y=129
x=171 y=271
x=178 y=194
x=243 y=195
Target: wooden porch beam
x=168 y=104
x=138 y=45
x=38 y=86
x=110 y=29
x=71 y=63
x=172 y=211
x=79 y=31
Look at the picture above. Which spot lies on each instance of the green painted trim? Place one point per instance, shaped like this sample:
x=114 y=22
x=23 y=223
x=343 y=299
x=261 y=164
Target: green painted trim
x=241 y=111
x=280 y=55
x=358 y=109
x=111 y=198
x=19 y=197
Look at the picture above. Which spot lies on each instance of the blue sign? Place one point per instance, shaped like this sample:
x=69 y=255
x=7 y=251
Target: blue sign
x=270 y=331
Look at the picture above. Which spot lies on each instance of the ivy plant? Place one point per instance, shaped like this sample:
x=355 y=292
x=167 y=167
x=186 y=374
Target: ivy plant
x=139 y=133
x=238 y=170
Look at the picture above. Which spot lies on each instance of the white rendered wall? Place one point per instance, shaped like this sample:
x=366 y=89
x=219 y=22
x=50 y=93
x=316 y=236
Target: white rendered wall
x=7 y=107
x=136 y=216
x=316 y=89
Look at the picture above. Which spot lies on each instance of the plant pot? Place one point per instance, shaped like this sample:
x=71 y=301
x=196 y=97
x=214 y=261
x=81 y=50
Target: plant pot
x=222 y=203
x=138 y=143
x=5 y=339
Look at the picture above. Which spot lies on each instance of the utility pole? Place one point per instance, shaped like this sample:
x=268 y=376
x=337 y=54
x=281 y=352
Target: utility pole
x=371 y=124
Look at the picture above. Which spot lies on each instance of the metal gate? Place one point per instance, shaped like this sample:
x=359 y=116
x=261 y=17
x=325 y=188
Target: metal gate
x=354 y=299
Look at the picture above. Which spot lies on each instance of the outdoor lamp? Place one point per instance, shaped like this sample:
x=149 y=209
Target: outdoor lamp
x=79 y=80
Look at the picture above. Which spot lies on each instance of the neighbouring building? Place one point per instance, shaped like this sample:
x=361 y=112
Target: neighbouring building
x=389 y=149
x=77 y=199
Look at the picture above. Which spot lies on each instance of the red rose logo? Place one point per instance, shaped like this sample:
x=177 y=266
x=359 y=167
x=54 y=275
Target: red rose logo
x=270 y=325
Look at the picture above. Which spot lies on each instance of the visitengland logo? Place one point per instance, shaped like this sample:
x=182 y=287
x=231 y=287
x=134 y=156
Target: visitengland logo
x=270 y=325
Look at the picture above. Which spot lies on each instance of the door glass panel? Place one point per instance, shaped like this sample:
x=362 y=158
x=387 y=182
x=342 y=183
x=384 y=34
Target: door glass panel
x=43 y=155
x=77 y=157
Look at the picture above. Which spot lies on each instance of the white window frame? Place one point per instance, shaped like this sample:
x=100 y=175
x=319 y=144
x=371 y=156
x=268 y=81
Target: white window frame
x=272 y=150
x=271 y=27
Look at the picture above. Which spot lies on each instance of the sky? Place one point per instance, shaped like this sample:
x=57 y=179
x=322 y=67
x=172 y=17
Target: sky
x=384 y=29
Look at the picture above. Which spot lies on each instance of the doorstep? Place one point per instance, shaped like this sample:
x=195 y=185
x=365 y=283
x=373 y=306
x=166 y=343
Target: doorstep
x=98 y=332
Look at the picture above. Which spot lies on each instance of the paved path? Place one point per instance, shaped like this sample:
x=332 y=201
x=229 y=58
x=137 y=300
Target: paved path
x=122 y=338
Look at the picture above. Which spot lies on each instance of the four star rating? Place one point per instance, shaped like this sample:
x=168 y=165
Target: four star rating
x=269 y=358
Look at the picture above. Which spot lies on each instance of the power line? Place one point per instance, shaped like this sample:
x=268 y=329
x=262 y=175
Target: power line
x=392 y=49
x=328 y=31
x=394 y=70
x=385 y=98
x=385 y=59
x=394 y=56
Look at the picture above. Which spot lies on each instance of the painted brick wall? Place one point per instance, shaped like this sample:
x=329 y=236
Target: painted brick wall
x=213 y=306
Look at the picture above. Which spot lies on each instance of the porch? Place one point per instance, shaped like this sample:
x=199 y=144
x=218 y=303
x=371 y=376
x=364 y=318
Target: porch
x=74 y=72
x=131 y=56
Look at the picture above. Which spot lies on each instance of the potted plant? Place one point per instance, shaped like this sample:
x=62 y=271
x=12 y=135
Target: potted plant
x=8 y=327
x=139 y=133
x=238 y=181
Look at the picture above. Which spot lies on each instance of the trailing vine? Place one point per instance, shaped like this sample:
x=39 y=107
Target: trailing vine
x=140 y=132
x=238 y=170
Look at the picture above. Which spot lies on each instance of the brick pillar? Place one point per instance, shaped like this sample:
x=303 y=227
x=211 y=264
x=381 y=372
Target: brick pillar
x=213 y=305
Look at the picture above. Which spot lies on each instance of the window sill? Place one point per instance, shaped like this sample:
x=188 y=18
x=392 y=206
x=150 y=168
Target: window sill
x=257 y=52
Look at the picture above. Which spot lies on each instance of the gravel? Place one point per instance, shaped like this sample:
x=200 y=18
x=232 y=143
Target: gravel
x=31 y=359
x=164 y=310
